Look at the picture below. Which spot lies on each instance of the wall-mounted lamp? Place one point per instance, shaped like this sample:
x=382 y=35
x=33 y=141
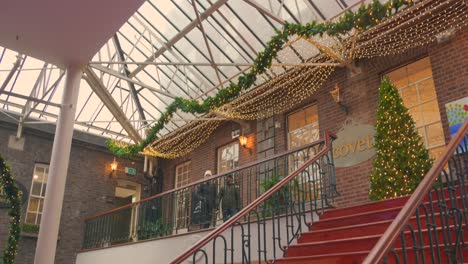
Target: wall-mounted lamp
x=243 y=143
x=113 y=166
x=335 y=93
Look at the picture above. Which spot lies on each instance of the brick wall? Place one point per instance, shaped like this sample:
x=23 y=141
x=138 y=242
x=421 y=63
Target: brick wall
x=87 y=188
x=450 y=72
x=204 y=157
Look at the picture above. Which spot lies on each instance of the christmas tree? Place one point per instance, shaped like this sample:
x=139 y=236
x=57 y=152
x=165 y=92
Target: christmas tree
x=402 y=160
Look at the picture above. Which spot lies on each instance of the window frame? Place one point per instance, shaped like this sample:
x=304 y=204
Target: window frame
x=218 y=151
x=40 y=197
x=288 y=144
x=187 y=163
x=424 y=126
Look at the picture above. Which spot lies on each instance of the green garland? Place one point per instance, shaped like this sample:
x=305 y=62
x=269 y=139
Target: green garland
x=365 y=17
x=13 y=195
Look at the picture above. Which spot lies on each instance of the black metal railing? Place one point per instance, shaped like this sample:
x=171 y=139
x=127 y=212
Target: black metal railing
x=199 y=205
x=263 y=229
x=432 y=226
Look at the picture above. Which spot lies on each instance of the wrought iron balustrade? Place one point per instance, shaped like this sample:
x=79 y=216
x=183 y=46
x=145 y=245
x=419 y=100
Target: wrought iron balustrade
x=198 y=206
x=432 y=227
x=265 y=227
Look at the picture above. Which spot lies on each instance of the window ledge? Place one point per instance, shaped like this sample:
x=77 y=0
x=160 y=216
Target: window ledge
x=30 y=235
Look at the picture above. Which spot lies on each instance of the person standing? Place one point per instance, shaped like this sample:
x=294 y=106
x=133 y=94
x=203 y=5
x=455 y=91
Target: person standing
x=229 y=198
x=204 y=202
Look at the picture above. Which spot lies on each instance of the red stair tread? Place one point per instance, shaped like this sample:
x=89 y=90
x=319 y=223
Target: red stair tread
x=367 y=217
x=370 y=206
x=360 y=243
x=359 y=256
x=366 y=229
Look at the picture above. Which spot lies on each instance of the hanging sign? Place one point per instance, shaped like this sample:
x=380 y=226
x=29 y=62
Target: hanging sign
x=354 y=144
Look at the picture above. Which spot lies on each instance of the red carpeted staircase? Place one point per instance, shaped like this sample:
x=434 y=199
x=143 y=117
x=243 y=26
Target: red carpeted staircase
x=346 y=235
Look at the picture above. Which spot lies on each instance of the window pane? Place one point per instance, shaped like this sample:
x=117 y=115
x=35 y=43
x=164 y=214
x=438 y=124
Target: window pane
x=305 y=132
x=31 y=218
x=398 y=77
x=427 y=90
x=296 y=120
x=311 y=114
x=430 y=112
x=44 y=190
x=409 y=95
x=435 y=134
x=33 y=204
x=419 y=70
x=415 y=112
x=36 y=188
x=436 y=152
x=41 y=205
x=228 y=157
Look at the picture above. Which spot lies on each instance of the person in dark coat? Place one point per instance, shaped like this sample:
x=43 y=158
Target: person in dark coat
x=204 y=202
x=230 y=199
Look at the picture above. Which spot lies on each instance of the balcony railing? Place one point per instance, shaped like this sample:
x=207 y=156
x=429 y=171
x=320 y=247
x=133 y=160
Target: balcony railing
x=248 y=237
x=440 y=207
x=198 y=205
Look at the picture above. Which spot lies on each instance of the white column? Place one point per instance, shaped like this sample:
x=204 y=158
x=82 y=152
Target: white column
x=50 y=222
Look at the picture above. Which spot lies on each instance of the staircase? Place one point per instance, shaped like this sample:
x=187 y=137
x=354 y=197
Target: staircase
x=347 y=235
x=430 y=226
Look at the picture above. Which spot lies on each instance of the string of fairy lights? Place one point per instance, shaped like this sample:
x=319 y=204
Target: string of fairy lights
x=179 y=144
x=13 y=196
x=426 y=21
x=393 y=33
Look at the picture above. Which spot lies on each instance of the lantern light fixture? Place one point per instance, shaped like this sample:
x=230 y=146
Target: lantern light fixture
x=337 y=97
x=243 y=143
x=114 y=165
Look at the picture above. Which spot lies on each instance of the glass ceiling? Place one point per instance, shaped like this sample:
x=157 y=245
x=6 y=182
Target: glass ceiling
x=160 y=53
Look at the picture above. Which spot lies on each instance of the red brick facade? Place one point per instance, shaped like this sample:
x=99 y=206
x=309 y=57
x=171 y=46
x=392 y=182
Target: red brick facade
x=449 y=63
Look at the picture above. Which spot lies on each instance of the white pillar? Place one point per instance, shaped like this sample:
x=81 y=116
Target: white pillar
x=50 y=222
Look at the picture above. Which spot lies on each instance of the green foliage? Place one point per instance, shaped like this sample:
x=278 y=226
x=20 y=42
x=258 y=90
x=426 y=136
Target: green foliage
x=30 y=228
x=402 y=160
x=13 y=196
x=365 y=17
x=278 y=202
x=154 y=230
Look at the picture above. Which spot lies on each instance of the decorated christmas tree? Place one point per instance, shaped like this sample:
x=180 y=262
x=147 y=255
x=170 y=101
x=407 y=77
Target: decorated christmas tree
x=402 y=160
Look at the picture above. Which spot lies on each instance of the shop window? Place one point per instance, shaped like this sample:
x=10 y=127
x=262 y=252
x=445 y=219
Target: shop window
x=228 y=157
x=303 y=127
x=182 y=202
x=37 y=194
x=416 y=87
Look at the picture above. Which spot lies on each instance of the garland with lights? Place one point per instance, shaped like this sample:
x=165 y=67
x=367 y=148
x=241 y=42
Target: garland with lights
x=364 y=18
x=13 y=195
x=402 y=160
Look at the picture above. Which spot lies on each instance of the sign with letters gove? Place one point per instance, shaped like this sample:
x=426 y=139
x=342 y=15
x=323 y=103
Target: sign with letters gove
x=354 y=144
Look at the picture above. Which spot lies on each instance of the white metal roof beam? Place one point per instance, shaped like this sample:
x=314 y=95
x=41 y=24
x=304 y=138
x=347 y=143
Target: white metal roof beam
x=180 y=35
x=120 y=76
x=206 y=43
x=101 y=91
x=176 y=56
x=265 y=11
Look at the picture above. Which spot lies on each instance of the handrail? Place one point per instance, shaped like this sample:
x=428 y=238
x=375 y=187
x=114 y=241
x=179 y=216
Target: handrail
x=229 y=223
x=393 y=231
x=208 y=179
